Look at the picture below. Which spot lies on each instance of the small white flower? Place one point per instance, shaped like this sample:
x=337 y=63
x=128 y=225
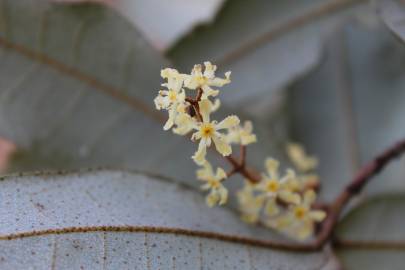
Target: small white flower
x=300 y=159
x=172 y=99
x=299 y=221
x=204 y=80
x=250 y=204
x=208 y=131
x=218 y=193
x=174 y=78
x=184 y=124
x=241 y=134
x=274 y=187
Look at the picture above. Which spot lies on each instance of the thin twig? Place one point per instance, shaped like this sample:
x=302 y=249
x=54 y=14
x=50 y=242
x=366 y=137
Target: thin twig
x=355 y=187
x=245 y=171
x=369 y=244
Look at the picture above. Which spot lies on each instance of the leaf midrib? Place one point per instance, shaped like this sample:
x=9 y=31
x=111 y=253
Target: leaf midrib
x=78 y=75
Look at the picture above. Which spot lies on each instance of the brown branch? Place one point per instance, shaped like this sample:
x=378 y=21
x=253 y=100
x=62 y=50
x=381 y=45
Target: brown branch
x=245 y=171
x=369 y=244
x=353 y=188
x=196 y=106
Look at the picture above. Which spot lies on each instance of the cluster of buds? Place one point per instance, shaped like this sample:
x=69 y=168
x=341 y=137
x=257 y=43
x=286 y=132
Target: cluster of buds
x=283 y=202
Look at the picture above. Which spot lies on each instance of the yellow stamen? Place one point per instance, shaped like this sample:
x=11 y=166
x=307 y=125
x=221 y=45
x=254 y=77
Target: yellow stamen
x=300 y=212
x=201 y=80
x=172 y=96
x=207 y=130
x=213 y=183
x=272 y=186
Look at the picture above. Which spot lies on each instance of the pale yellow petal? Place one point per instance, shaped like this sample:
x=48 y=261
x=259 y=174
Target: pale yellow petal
x=305 y=230
x=300 y=159
x=248 y=126
x=223 y=195
x=212 y=199
x=205 y=172
x=250 y=218
x=309 y=197
x=184 y=124
x=199 y=156
x=205 y=109
x=221 y=174
x=170 y=121
x=228 y=122
x=222 y=146
x=215 y=106
x=290 y=197
x=206 y=186
x=317 y=215
x=208 y=92
x=247 y=139
x=281 y=222
x=210 y=69
x=271 y=208
x=272 y=167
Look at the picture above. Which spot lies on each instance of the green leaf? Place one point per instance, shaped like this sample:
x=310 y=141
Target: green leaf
x=350 y=109
x=77 y=84
x=266 y=44
x=125 y=220
x=379 y=219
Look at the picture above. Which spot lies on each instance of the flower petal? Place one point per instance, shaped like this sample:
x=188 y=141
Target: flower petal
x=221 y=174
x=205 y=109
x=223 y=195
x=309 y=197
x=199 y=156
x=317 y=215
x=228 y=122
x=212 y=198
x=271 y=208
x=184 y=124
x=272 y=167
x=170 y=121
x=222 y=146
x=290 y=197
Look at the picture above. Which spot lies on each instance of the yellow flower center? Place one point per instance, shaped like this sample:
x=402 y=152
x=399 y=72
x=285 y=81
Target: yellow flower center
x=300 y=212
x=213 y=183
x=207 y=130
x=272 y=186
x=172 y=96
x=201 y=80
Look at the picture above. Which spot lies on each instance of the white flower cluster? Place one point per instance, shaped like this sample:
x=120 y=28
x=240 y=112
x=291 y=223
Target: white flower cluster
x=283 y=202
x=222 y=134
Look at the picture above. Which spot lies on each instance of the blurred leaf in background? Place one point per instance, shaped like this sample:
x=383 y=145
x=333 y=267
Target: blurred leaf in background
x=76 y=89
x=163 y=22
